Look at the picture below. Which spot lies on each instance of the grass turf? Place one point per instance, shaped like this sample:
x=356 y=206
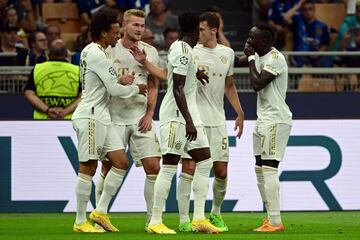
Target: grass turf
x=299 y=225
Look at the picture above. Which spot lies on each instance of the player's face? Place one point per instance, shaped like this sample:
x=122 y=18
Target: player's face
x=206 y=33
x=113 y=35
x=253 y=38
x=134 y=28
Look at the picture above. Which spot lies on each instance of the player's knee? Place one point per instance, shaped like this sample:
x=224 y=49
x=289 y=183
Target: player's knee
x=188 y=166
x=220 y=173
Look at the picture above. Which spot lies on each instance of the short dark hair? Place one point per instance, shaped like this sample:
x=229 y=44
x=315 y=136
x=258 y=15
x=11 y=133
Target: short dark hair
x=211 y=18
x=101 y=21
x=188 y=22
x=32 y=37
x=267 y=30
x=214 y=9
x=169 y=30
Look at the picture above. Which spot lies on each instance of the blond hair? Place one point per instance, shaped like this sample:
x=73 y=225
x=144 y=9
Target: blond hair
x=133 y=12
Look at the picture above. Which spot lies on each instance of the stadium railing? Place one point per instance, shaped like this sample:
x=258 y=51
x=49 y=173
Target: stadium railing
x=337 y=79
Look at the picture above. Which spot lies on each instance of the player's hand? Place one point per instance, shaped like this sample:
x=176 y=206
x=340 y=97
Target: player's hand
x=145 y=123
x=127 y=79
x=142 y=89
x=139 y=55
x=239 y=125
x=202 y=77
x=248 y=50
x=191 y=132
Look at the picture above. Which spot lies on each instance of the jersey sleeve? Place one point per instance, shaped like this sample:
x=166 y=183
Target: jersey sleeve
x=153 y=56
x=108 y=76
x=180 y=59
x=231 y=66
x=275 y=65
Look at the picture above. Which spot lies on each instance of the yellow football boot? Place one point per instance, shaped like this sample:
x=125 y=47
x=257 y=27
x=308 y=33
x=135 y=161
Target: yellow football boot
x=86 y=227
x=160 y=229
x=205 y=226
x=103 y=220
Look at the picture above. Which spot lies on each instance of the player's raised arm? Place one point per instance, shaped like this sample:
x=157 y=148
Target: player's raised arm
x=258 y=80
x=140 y=56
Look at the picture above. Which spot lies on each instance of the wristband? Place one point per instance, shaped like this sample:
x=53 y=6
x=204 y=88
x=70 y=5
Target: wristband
x=251 y=57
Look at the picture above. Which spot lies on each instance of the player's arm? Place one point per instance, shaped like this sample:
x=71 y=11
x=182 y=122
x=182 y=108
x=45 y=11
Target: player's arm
x=258 y=80
x=180 y=99
x=140 y=56
x=108 y=76
x=241 y=61
x=232 y=96
x=145 y=123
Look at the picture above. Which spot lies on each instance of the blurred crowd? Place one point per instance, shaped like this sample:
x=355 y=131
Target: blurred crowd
x=27 y=29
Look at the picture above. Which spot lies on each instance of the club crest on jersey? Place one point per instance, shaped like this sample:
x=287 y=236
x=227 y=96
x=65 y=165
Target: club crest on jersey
x=223 y=59
x=99 y=150
x=184 y=60
x=112 y=71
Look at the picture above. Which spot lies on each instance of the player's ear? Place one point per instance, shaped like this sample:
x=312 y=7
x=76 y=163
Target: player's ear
x=103 y=34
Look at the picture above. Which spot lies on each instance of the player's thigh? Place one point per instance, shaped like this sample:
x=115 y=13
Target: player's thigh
x=91 y=135
x=144 y=146
x=114 y=148
x=218 y=141
x=172 y=138
x=274 y=139
x=199 y=149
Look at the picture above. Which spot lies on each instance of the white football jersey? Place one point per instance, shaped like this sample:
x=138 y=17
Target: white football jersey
x=99 y=81
x=218 y=63
x=126 y=111
x=271 y=105
x=180 y=61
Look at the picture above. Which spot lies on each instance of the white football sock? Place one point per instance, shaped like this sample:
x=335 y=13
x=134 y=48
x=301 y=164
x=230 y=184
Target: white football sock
x=272 y=192
x=112 y=183
x=261 y=186
x=83 y=191
x=161 y=191
x=183 y=196
x=201 y=187
x=149 y=194
x=219 y=189
x=99 y=187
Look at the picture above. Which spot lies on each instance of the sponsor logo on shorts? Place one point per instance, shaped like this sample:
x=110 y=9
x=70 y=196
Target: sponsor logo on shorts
x=178 y=145
x=99 y=150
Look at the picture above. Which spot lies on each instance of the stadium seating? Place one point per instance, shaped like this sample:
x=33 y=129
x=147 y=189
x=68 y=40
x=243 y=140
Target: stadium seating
x=333 y=14
x=70 y=40
x=63 y=15
x=307 y=83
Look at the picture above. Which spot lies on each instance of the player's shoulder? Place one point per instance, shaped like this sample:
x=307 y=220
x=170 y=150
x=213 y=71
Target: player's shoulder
x=276 y=55
x=95 y=52
x=225 y=49
x=146 y=46
x=180 y=47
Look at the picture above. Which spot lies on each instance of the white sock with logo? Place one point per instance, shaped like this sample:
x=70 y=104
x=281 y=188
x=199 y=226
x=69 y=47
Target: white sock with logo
x=83 y=191
x=149 y=194
x=272 y=192
x=99 y=187
x=219 y=190
x=161 y=191
x=112 y=183
x=201 y=187
x=183 y=196
x=261 y=185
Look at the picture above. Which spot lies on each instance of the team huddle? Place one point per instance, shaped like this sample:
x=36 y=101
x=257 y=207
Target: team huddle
x=119 y=80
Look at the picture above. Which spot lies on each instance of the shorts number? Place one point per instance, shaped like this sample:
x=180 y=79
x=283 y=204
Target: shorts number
x=224 y=143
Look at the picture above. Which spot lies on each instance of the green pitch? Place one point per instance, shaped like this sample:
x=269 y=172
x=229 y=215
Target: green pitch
x=304 y=226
